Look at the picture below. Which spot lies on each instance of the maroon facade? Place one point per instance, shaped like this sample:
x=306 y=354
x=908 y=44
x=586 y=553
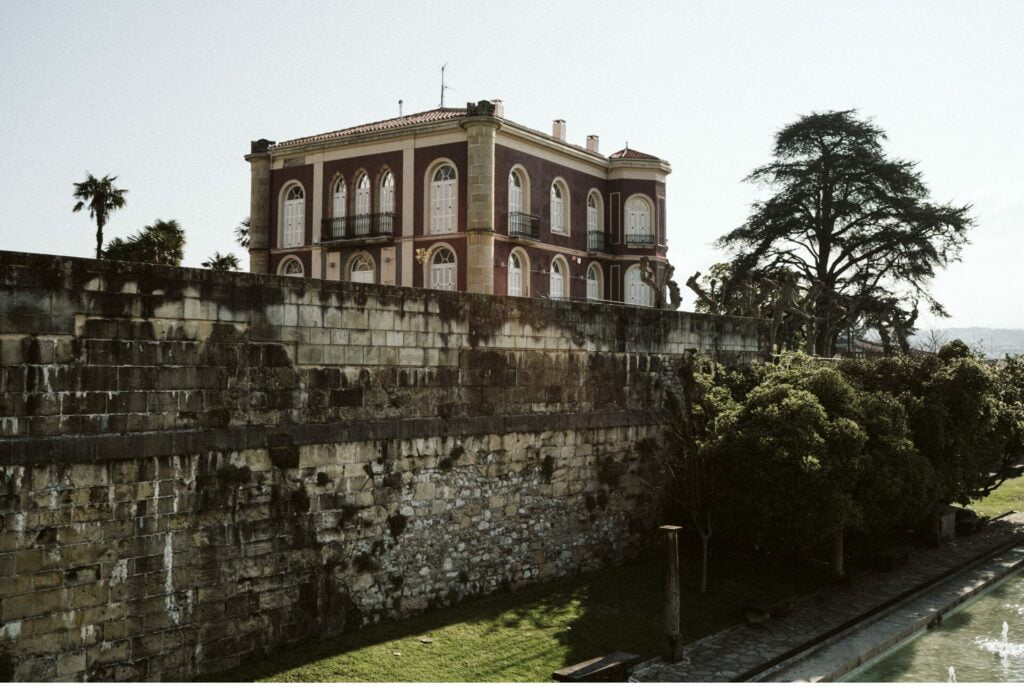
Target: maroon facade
x=614 y=257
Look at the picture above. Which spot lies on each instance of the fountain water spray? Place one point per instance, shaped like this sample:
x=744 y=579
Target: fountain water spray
x=952 y=675
x=1006 y=632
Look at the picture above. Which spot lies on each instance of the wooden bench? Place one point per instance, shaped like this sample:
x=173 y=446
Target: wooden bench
x=611 y=668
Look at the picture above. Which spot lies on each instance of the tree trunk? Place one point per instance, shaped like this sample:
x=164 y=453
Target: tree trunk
x=99 y=241
x=837 y=554
x=704 y=562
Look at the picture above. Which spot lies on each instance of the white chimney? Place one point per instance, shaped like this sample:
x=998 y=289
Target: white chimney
x=592 y=143
x=558 y=129
x=499 y=107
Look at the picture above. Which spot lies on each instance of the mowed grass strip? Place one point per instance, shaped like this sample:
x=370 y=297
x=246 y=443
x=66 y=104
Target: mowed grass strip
x=524 y=635
x=1009 y=496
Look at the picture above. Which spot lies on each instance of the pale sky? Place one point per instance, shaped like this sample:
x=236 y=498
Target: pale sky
x=167 y=95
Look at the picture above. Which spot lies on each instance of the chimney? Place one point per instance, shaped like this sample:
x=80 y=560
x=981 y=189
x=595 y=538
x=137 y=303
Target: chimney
x=499 y=107
x=558 y=129
x=592 y=143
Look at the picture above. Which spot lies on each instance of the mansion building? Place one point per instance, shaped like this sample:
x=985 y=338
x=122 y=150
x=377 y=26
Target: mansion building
x=459 y=199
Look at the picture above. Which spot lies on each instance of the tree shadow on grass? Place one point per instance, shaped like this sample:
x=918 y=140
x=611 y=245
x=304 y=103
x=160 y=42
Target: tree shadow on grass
x=530 y=632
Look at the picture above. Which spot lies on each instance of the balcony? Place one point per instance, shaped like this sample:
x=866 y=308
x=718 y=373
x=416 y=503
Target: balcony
x=523 y=226
x=640 y=240
x=597 y=242
x=377 y=226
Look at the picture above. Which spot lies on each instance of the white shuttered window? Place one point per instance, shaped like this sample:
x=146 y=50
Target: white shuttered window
x=293 y=218
x=443 y=201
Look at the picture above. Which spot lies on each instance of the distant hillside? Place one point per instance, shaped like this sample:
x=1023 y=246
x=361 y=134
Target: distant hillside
x=995 y=342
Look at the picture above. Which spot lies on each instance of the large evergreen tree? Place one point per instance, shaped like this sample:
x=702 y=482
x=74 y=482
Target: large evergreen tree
x=855 y=226
x=102 y=198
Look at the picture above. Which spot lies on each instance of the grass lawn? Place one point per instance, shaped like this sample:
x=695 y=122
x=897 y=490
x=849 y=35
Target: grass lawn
x=1009 y=496
x=526 y=634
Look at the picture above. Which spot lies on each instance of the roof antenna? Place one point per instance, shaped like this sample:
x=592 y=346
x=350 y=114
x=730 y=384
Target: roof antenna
x=399 y=107
x=443 y=86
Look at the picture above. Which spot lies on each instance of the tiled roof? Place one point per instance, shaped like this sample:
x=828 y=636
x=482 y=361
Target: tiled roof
x=631 y=154
x=438 y=115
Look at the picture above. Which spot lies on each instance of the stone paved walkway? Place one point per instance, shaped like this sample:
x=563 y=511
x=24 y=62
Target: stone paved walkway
x=739 y=653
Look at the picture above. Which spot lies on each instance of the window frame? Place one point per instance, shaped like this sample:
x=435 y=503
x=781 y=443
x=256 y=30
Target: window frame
x=600 y=281
x=563 y=273
x=524 y=271
x=291 y=259
x=645 y=200
x=635 y=269
x=428 y=210
x=435 y=250
x=563 y=212
x=386 y=192
x=285 y=210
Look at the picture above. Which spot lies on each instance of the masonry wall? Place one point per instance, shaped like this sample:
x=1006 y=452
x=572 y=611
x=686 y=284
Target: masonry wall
x=196 y=467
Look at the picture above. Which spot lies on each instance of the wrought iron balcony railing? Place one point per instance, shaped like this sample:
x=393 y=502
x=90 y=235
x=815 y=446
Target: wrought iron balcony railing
x=374 y=226
x=597 y=242
x=642 y=240
x=523 y=226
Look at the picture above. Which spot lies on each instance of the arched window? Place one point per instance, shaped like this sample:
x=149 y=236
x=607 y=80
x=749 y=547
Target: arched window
x=515 y=192
x=290 y=267
x=361 y=269
x=293 y=217
x=442 y=270
x=340 y=198
x=593 y=213
x=559 y=279
x=638 y=221
x=559 y=208
x=638 y=292
x=595 y=287
x=515 y=275
x=361 y=221
x=387 y=192
x=443 y=200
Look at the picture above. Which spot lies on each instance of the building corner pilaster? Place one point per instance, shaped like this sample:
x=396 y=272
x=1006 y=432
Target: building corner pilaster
x=480 y=135
x=259 y=206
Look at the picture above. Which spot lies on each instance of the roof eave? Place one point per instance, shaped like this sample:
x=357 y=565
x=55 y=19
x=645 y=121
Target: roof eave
x=366 y=137
x=640 y=163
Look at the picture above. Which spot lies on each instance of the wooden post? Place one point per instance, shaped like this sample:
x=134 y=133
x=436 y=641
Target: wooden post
x=673 y=641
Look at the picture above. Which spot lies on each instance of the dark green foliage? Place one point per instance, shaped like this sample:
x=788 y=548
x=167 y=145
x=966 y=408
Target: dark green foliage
x=161 y=243
x=223 y=263
x=445 y=464
x=242 y=233
x=788 y=457
x=102 y=198
x=849 y=238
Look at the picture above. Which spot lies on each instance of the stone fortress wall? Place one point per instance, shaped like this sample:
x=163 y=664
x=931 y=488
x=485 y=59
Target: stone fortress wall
x=199 y=466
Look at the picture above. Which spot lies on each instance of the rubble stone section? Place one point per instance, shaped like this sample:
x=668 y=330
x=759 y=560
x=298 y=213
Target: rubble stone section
x=196 y=467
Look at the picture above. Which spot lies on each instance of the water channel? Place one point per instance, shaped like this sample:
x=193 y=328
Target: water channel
x=982 y=641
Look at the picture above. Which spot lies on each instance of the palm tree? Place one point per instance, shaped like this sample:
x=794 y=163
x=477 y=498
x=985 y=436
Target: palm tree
x=242 y=233
x=225 y=263
x=161 y=243
x=101 y=197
